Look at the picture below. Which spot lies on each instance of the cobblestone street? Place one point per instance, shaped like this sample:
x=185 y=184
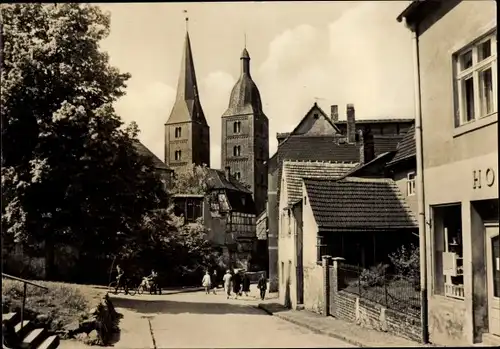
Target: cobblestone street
x=188 y=320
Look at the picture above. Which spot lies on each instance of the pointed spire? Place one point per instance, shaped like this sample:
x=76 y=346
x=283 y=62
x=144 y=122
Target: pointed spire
x=187 y=89
x=245 y=62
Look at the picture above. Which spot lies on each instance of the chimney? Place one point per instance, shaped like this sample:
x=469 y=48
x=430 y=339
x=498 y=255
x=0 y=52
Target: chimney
x=334 y=113
x=351 y=124
x=227 y=172
x=367 y=146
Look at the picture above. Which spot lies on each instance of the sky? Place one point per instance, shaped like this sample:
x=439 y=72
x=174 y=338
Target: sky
x=301 y=52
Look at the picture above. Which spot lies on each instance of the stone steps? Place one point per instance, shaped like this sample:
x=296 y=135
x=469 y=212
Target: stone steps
x=24 y=335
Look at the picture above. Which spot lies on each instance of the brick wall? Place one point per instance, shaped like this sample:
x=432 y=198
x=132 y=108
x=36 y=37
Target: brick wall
x=365 y=313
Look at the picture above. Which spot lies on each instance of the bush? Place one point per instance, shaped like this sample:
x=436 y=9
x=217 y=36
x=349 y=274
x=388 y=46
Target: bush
x=375 y=276
x=406 y=261
x=62 y=304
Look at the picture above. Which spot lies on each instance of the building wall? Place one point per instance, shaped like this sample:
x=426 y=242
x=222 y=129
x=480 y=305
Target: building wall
x=273 y=221
x=313 y=272
x=252 y=163
x=285 y=246
x=451 y=155
x=315 y=125
x=194 y=144
x=401 y=179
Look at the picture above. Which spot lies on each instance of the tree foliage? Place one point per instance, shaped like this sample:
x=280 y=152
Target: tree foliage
x=70 y=172
x=406 y=261
x=168 y=245
x=190 y=179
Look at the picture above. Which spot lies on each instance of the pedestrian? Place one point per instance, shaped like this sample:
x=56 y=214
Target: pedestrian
x=246 y=284
x=236 y=283
x=206 y=282
x=227 y=283
x=262 y=286
x=214 y=281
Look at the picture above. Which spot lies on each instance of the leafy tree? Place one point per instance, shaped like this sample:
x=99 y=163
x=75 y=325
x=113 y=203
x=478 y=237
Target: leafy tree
x=180 y=251
x=70 y=172
x=190 y=179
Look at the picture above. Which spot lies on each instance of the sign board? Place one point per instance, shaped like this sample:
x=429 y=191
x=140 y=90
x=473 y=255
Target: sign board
x=482 y=177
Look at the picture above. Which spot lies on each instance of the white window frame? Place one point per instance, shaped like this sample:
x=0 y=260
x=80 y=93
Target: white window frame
x=411 y=184
x=474 y=71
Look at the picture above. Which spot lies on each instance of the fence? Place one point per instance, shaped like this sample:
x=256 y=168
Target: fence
x=396 y=292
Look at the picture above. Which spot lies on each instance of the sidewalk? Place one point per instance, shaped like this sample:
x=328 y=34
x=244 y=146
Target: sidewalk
x=339 y=329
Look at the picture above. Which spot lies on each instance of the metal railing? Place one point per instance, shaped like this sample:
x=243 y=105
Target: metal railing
x=25 y=284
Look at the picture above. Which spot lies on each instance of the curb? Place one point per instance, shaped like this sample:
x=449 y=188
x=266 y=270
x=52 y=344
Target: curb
x=187 y=290
x=314 y=329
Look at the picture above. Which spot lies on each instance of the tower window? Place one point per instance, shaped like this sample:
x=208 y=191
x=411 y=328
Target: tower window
x=177 y=155
x=178 y=132
x=237 y=150
x=237 y=127
x=237 y=175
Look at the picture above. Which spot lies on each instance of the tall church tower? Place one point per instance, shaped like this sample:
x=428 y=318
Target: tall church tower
x=187 y=134
x=245 y=135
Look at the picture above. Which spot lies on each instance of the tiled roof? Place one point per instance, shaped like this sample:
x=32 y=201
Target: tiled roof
x=386 y=143
x=144 y=151
x=294 y=171
x=358 y=204
x=216 y=179
x=319 y=148
x=407 y=147
x=376 y=121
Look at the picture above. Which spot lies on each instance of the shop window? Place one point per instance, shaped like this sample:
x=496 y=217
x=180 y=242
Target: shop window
x=448 y=254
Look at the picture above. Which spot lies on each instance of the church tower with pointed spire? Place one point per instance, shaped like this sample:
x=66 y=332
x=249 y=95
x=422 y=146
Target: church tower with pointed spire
x=245 y=135
x=187 y=134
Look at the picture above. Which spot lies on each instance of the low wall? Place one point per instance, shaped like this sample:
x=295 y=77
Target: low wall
x=366 y=313
x=313 y=289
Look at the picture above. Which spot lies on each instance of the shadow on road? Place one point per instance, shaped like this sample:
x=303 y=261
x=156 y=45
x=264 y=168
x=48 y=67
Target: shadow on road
x=145 y=306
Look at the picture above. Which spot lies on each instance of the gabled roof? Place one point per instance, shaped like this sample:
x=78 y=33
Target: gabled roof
x=406 y=148
x=294 y=171
x=144 y=151
x=187 y=105
x=358 y=204
x=322 y=113
x=216 y=179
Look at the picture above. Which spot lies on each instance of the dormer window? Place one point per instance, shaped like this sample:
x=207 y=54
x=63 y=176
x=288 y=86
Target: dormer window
x=237 y=127
x=177 y=155
x=237 y=150
x=178 y=132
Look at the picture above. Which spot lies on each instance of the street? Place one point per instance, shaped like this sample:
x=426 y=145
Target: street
x=189 y=320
